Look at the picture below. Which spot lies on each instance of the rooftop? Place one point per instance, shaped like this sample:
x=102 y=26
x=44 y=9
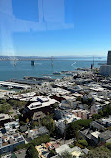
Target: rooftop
x=95 y=134
x=4 y=117
x=106 y=135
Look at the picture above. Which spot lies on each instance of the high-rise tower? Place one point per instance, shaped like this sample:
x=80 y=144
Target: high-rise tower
x=109 y=58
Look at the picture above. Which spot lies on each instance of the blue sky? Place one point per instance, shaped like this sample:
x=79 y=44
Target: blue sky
x=55 y=27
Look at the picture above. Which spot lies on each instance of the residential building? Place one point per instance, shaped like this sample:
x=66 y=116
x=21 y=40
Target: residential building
x=4 y=118
x=9 y=142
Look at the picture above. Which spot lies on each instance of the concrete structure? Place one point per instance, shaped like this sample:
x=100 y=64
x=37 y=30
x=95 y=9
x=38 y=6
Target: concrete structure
x=94 y=136
x=109 y=58
x=34 y=133
x=75 y=151
x=62 y=149
x=4 y=118
x=32 y=62
x=43 y=104
x=11 y=126
x=9 y=142
x=62 y=123
x=105 y=136
x=42 y=151
x=106 y=121
x=106 y=69
x=14 y=85
x=83 y=114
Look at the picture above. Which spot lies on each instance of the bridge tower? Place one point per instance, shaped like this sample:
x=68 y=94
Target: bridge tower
x=32 y=62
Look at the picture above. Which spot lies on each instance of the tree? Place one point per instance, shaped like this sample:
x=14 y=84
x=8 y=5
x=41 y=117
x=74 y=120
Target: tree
x=31 y=152
x=14 y=156
x=49 y=123
x=83 y=142
x=4 y=108
x=66 y=155
x=99 y=152
x=27 y=120
x=108 y=145
x=52 y=153
x=17 y=103
x=72 y=128
x=96 y=116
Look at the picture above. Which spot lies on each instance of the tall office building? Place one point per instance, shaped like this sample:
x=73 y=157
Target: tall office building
x=109 y=58
x=106 y=69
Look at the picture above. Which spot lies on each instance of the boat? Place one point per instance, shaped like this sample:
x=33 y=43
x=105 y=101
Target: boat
x=9 y=87
x=56 y=73
x=69 y=73
x=64 y=71
x=47 y=77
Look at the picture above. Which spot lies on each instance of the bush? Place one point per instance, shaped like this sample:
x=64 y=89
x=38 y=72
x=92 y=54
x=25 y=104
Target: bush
x=65 y=155
x=52 y=153
x=72 y=128
x=4 y=108
x=31 y=152
x=99 y=152
x=83 y=142
x=108 y=145
x=49 y=123
x=71 y=145
x=41 y=139
x=37 y=141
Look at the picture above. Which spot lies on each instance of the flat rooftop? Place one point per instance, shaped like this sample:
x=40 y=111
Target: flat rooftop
x=38 y=104
x=6 y=140
x=4 y=117
x=12 y=84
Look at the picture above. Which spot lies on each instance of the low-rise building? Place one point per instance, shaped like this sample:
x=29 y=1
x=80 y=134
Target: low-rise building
x=42 y=151
x=75 y=151
x=43 y=104
x=95 y=136
x=11 y=126
x=83 y=114
x=106 y=121
x=9 y=142
x=97 y=125
x=104 y=136
x=34 y=133
x=62 y=123
x=4 y=118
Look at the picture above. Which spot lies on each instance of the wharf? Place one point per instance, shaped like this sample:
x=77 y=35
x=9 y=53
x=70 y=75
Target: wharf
x=14 y=85
x=38 y=78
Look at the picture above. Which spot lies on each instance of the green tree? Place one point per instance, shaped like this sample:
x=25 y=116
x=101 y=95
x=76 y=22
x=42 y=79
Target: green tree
x=107 y=110
x=31 y=152
x=4 y=108
x=52 y=153
x=17 y=103
x=66 y=155
x=14 y=156
x=72 y=128
x=83 y=142
x=49 y=123
x=96 y=116
x=99 y=152
x=108 y=145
